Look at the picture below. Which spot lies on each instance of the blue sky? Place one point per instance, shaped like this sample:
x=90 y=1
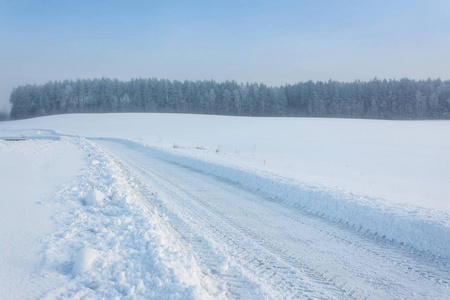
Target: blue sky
x=272 y=42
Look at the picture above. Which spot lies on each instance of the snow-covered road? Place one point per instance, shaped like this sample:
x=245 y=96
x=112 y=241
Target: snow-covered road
x=254 y=247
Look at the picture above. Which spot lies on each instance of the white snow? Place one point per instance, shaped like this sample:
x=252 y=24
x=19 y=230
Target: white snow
x=58 y=239
x=94 y=198
x=84 y=260
x=73 y=224
x=272 y=250
x=401 y=161
x=421 y=228
x=30 y=172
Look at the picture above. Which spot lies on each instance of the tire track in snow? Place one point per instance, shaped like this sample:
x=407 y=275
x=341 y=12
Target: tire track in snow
x=435 y=271
x=254 y=272
x=288 y=263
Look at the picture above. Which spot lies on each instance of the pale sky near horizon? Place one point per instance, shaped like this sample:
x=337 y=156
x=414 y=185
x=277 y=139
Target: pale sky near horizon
x=272 y=42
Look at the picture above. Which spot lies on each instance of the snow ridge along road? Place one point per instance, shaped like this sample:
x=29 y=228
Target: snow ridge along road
x=254 y=246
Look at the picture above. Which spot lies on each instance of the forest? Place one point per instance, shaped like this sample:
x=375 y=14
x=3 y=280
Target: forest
x=375 y=99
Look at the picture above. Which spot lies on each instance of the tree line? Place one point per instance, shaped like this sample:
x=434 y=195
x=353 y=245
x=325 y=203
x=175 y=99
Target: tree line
x=376 y=99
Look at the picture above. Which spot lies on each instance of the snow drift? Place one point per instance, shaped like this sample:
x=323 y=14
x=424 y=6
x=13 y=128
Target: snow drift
x=387 y=178
x=418 y=228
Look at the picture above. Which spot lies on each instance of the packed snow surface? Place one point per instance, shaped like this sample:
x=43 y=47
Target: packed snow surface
x=94 y=198
x=84 y=260
x=401 y=161
x=30 y=172
x=192 y=206
x=73 y=226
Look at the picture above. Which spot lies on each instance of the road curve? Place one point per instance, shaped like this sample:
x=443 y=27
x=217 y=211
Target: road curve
x=255 y=247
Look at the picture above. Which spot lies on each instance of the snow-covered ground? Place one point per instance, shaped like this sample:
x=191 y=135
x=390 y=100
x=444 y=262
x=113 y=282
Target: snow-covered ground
x=401 y=161
x=72 y=227
x=30 y=172
x=119 y=233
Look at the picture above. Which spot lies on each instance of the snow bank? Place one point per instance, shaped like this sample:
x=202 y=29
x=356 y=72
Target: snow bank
x=84 y=260
x=421 y=229
x=404 y=162
x=35 y=134
x=30 y=171
x=112 y=244
x=94 y=198
x=401 y=168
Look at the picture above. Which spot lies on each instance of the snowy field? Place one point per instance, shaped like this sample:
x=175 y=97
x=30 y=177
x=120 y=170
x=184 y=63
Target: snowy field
x=401 y=161
x=78 y=217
